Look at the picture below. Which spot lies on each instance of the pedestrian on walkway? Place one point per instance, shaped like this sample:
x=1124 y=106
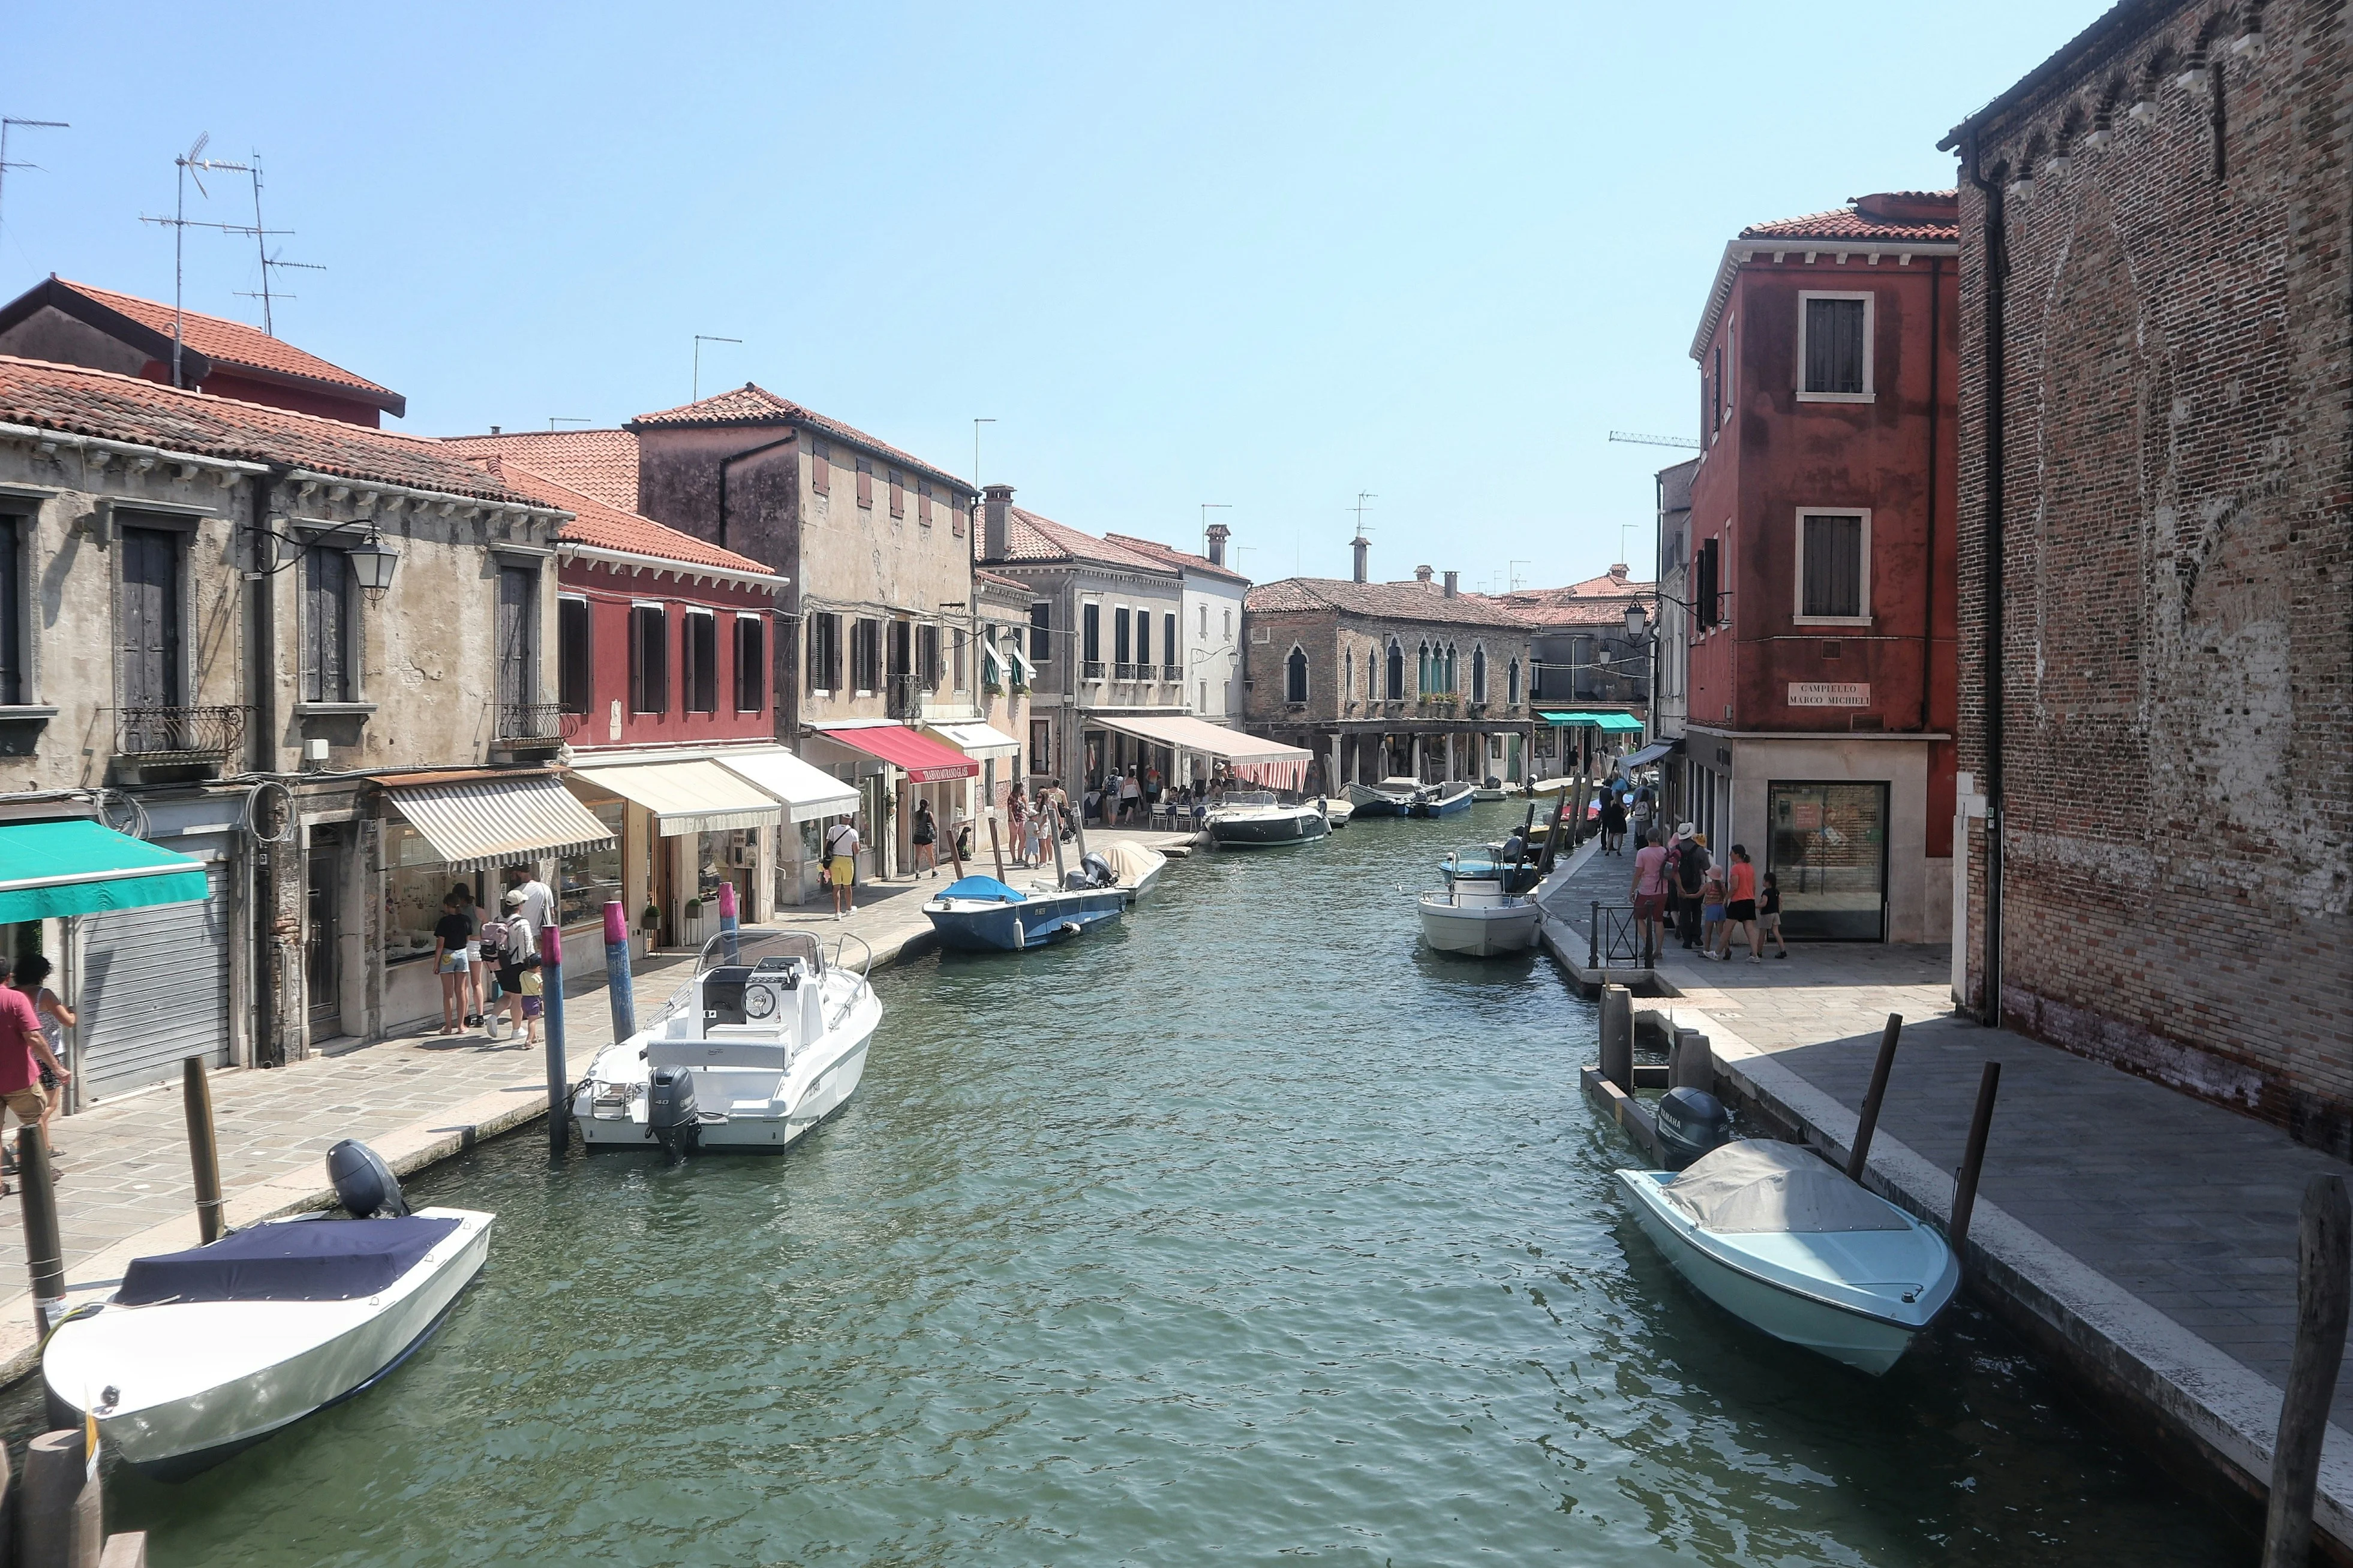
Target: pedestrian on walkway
x=453 y=933
x=32 y=978
x=538 y=901
x=1644 y=814
x=519 y=967
x=922 y=834
x=1711 y=912
x=1131 y=795
x=1650 y=892
x=475 y=968
x=1692 y=865
x=841 y=865
x=1016 y=824
x=1768 y=914
x=1613 y=824
x=1739 y=907
x=24 y=1052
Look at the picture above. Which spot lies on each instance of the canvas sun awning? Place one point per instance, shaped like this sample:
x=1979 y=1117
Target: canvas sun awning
x=809 y=792
x=1618 y=722
x=477 y=823
x=1251 y=757
x=691 y=796
x=976 y=741
x=50 y=869
x=926 y=761
x=1024 y=672
x=1649 y=753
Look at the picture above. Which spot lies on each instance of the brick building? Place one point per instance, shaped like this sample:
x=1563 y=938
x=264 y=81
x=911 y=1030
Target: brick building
x=1819 y=707
x=2156 y=580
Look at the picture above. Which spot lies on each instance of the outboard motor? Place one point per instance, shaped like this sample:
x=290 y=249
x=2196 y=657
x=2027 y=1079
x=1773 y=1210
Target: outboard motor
x=1691 y=1122
x=1098 y=870
x=670 y=1112
x=364 y=1184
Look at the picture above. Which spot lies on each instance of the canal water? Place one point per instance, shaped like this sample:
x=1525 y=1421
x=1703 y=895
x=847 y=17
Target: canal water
x=1247 y=1229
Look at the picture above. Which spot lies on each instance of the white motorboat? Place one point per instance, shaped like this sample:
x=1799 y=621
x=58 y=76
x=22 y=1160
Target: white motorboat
x=1774 y=1236
x=1390 y=797
x=1254 y=819
x=1490 y=792
x=1136 y=870
x=1485 y=908
x=1339 y=813
x=202 y=1353
x=765 y=1041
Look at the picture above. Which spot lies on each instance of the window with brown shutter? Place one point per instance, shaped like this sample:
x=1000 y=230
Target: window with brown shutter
x=898 y=493
x=820 y=468
x=751 y=665
x=824 y=652
x=923 y=502
x=1834 y=350
x=574 y=674
x=1833 y=566
x=699 y=688
x=649 y=659
x=865 y=483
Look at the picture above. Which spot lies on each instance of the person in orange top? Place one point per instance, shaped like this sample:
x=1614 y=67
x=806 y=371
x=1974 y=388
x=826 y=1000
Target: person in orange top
x=1740 y=906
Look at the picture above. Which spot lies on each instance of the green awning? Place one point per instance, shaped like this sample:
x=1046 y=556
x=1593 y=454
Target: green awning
x=81 y=866
x=1620 y=722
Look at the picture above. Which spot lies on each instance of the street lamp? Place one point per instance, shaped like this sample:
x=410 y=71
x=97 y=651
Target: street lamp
x=372 y=563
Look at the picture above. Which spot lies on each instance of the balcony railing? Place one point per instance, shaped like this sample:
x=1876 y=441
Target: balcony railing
x=1172 y=672
x=546 y=723
x=1127 y=672
x=1094 y=669
x=152 y=741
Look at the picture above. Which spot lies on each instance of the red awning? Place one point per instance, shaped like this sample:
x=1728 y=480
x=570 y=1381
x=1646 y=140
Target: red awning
x=925 y=759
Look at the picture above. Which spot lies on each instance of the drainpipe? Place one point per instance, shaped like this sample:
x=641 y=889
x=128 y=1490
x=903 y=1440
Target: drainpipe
x=737 y=457
x=1997 y=266
x=263 y=953
x=1935 y=406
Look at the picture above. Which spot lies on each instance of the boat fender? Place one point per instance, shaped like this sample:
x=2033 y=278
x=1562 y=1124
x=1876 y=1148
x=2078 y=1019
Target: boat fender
x=670 y=1112
x=363 y=1184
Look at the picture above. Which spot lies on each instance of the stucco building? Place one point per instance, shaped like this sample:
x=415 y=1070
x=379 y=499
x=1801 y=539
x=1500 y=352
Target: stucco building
x=1822 y=687
x=1209 y=628
x=2156 y=555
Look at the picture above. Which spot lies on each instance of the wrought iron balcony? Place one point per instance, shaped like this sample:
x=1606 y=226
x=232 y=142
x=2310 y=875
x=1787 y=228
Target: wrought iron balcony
x=546 y=723
x=1125 y=672
x=1094 y=669
x=157 y=744
x=1172 y=672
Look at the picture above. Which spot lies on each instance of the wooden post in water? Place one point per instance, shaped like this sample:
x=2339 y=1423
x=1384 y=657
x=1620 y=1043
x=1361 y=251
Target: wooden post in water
x=1859 y=1157
x=204 y=1150
x=1965 y=1187
x=1693 y=1063
x=995 y=846
x=955 y=854
x=128 y=1550
x=44 y=1252
x=551 y=1007
x=60 y=1511
x=1054 y=836
x=1618 y=1036
x=2324 y=1279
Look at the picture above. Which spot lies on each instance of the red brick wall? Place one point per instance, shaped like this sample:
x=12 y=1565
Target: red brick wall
x=2176 y=664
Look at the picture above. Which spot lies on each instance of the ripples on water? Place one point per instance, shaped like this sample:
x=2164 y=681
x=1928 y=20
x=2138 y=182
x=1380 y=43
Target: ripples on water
x=1246 y=1230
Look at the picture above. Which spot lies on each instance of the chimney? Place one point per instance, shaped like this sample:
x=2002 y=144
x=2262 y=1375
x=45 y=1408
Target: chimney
x=1363 y=547
x=1617 y=573
x=1219 y=535
x=494 y=430
x=1453 y=579
x=1421 y=573
x=996 y=522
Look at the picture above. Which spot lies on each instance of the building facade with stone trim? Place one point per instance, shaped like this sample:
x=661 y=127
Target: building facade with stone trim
x=2156 y=557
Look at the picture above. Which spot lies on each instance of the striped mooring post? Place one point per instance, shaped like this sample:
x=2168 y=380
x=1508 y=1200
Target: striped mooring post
x=617 y=988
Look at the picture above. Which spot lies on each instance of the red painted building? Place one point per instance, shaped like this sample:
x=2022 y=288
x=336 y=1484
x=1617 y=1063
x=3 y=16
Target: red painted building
x=1822 y=683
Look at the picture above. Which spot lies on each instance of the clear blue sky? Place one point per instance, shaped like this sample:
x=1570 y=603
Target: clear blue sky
x=1266 y=254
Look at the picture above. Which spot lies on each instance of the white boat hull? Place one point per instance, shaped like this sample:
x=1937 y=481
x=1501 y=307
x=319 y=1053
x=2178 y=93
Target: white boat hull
x=1479 y=932
x=198 y=1381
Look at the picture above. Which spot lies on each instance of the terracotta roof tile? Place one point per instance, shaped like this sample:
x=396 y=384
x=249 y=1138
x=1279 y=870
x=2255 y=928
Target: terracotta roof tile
x=1392 y=601
x=754 y=404
x=1040 y=539
x=70 y=399
x=1169 y=556
x=610 y=527
x=1888 y=218
x=233 y=345
x=988 y=579
x=598 y=463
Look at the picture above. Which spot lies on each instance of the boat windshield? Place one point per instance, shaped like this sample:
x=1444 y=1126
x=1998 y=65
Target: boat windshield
x=759 y=947
x=1248 y=797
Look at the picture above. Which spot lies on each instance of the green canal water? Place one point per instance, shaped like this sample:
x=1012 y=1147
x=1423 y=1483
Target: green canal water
x=1248 y=1230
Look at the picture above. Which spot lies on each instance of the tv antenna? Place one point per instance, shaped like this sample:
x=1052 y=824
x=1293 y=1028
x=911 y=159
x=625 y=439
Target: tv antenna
x=1362 y=497
x=1635 y=438
x=700 y=339
x=1514 y=577
x=556 y=420
x=269 y=262
x=10 y=122
x=193 y=166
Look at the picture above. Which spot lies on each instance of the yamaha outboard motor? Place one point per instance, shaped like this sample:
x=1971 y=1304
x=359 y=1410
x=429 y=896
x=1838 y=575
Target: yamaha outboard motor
x=364 y=1184
x=1098 y=870
x=1691 y=1122
x=670 y=1112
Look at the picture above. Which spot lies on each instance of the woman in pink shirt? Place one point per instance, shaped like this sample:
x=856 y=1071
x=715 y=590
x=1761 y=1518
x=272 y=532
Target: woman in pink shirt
x=1650 y=891
x=1739 y=907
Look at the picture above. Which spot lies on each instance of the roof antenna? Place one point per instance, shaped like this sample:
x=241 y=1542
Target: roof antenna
x=192 y=166
x=556 y=420
x=5 y=123
x=700 y=339
x=1633 y=440
x=268 y=260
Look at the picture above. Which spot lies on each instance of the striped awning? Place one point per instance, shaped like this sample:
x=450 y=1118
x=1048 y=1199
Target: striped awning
x=691 y=796
x=479 y=823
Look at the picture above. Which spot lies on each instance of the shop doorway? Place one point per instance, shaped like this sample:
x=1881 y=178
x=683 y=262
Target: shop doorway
x=1827 y=848
x=322 y=967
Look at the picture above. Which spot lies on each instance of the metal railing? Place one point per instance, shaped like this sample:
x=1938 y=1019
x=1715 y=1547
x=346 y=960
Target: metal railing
x=1172 y=672
x=1094 y=669
x=547 y=722
x=1125 y=672
x=176 y=735
x=1614 y=939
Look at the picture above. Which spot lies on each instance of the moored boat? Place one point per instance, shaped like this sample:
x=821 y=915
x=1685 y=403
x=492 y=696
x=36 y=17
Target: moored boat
x=766 y=1040
x=1443 y=800
x=1390 y=797
x=1485 y=908
x=1776 y=1236
x=1339 y=813
x=1256 y=820
x=981 y=914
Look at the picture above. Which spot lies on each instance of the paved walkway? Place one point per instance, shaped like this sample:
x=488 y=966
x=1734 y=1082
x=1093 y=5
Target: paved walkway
x=2155 y=1233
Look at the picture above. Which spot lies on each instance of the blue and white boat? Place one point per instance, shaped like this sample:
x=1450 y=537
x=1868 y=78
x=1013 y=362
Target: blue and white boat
x=1390 y=797
x=1443 y=800
x=1774 y=1236
x=981 y=914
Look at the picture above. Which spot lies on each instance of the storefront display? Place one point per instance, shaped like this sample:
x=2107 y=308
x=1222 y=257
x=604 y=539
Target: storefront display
x=1827 y=850
x=727 y=855
x=416 y=880
x=590 y=879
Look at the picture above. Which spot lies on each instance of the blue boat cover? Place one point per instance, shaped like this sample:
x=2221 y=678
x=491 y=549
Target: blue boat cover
x=983 y=888
x=298 y=1260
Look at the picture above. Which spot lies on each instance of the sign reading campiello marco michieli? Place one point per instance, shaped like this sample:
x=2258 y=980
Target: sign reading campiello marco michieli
x=1829 y=694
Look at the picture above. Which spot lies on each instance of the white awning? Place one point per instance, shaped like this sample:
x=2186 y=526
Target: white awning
x=1189 y=734
x=992 y=664
x=696 y=797
x=1023 y=670
x=476 y=824
x=809 y=792
x=976 y=741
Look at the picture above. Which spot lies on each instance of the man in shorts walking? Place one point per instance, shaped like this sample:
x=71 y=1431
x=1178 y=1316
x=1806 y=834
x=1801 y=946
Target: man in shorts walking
x=842 y=865
x=23 y=1051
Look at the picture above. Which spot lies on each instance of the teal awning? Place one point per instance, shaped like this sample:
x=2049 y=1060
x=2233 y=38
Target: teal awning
x=1620 y=722
x=80 y=868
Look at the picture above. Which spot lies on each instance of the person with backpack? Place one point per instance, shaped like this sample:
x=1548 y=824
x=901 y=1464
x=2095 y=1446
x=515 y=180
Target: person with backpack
x=1692 y=865
x=1613 y=824
x=516 y=942
x=842 y=865
x=924 y=835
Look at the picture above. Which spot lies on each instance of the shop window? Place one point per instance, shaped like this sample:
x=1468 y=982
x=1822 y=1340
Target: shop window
x=587 y=882
x=750 y=664
x=1825 y=847
x=574 y=673
x=416 y=881
x=699 y=685
x=648 y=658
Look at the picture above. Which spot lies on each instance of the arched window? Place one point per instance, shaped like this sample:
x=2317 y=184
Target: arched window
x=1348 y=672
x=1478 y=674
x=1294 y=675
x=1513 y=686
x=1397 y=670
x=1448 y=684
x=1423 y=678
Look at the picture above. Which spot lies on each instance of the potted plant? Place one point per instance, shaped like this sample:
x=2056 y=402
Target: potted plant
x=650 y=923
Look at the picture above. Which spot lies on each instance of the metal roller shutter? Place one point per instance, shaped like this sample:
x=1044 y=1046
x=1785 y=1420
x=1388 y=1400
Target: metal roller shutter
x=154 y=989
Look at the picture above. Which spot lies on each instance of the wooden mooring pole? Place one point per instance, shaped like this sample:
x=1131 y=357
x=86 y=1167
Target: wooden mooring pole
x=204 y=1150
x=1965 y=1187
x=551 y=1022
x=1618 y=1036
x=2324 y=1280
x=1859 y=1157
x=995 y=846
x=60 y=1515
x=44 y=1252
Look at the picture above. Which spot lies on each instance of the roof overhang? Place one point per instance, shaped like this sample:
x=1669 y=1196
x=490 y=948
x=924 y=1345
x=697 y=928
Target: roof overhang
x=1740 y=252
x=631 y=561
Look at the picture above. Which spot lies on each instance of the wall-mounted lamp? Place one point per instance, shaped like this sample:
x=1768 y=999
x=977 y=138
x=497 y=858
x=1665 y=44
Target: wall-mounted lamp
x=371 y=560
